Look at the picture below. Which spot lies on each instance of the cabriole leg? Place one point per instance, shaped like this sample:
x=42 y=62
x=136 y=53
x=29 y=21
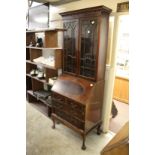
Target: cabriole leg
x=83 y=144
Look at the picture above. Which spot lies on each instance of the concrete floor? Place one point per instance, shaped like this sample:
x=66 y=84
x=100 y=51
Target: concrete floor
x=43 y=140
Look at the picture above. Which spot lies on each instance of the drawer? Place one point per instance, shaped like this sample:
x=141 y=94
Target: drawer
x=57 y=104
x=58 y=97
x=76 y=109
x=62 y=114
x=69 y=118
x=69 y=106
x=77 y=114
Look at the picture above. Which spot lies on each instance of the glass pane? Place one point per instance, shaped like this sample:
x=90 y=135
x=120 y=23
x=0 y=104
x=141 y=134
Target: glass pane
x=70 y=46
x=88 y=47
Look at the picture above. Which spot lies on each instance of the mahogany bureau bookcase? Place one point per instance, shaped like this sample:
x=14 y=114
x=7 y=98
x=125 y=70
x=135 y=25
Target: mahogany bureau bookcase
x=77 y=95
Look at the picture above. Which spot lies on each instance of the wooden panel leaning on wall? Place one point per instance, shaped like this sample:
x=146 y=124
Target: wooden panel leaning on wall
x=119 y=145
x=121 y=89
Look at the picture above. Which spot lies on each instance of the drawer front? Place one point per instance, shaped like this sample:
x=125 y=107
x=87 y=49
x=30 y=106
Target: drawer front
x=76 y=109
x=70 y=119
x=69 y=106
x=58 y=97
x=57 y=104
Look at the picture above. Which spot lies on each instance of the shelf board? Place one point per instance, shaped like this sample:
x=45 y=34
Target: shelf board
x=30 y=62
x=41 y=48
x=46 y=66
x=31 y=93
x=28 y=75
x=41 y=80
x=42 y=100
x=45 y=102
x=44 y=30
x=34 y=77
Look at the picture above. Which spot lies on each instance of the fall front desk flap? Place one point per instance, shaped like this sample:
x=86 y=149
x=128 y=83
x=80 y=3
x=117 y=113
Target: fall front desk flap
x=78 y=89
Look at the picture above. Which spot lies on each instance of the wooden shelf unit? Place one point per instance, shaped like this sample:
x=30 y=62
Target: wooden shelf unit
x=33 y=83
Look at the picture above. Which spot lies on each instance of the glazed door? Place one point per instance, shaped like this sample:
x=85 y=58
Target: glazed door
x=88 y=48
x=70 y=46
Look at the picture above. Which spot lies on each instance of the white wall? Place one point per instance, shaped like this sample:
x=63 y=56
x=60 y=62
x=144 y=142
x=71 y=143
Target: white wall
x=112 y=4
x=90 y=3
x=55 y=18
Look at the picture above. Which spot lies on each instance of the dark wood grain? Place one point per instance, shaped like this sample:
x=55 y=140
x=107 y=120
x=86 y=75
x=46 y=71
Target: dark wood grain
x=33 y=83
x=85 y=42
x=77 y=95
